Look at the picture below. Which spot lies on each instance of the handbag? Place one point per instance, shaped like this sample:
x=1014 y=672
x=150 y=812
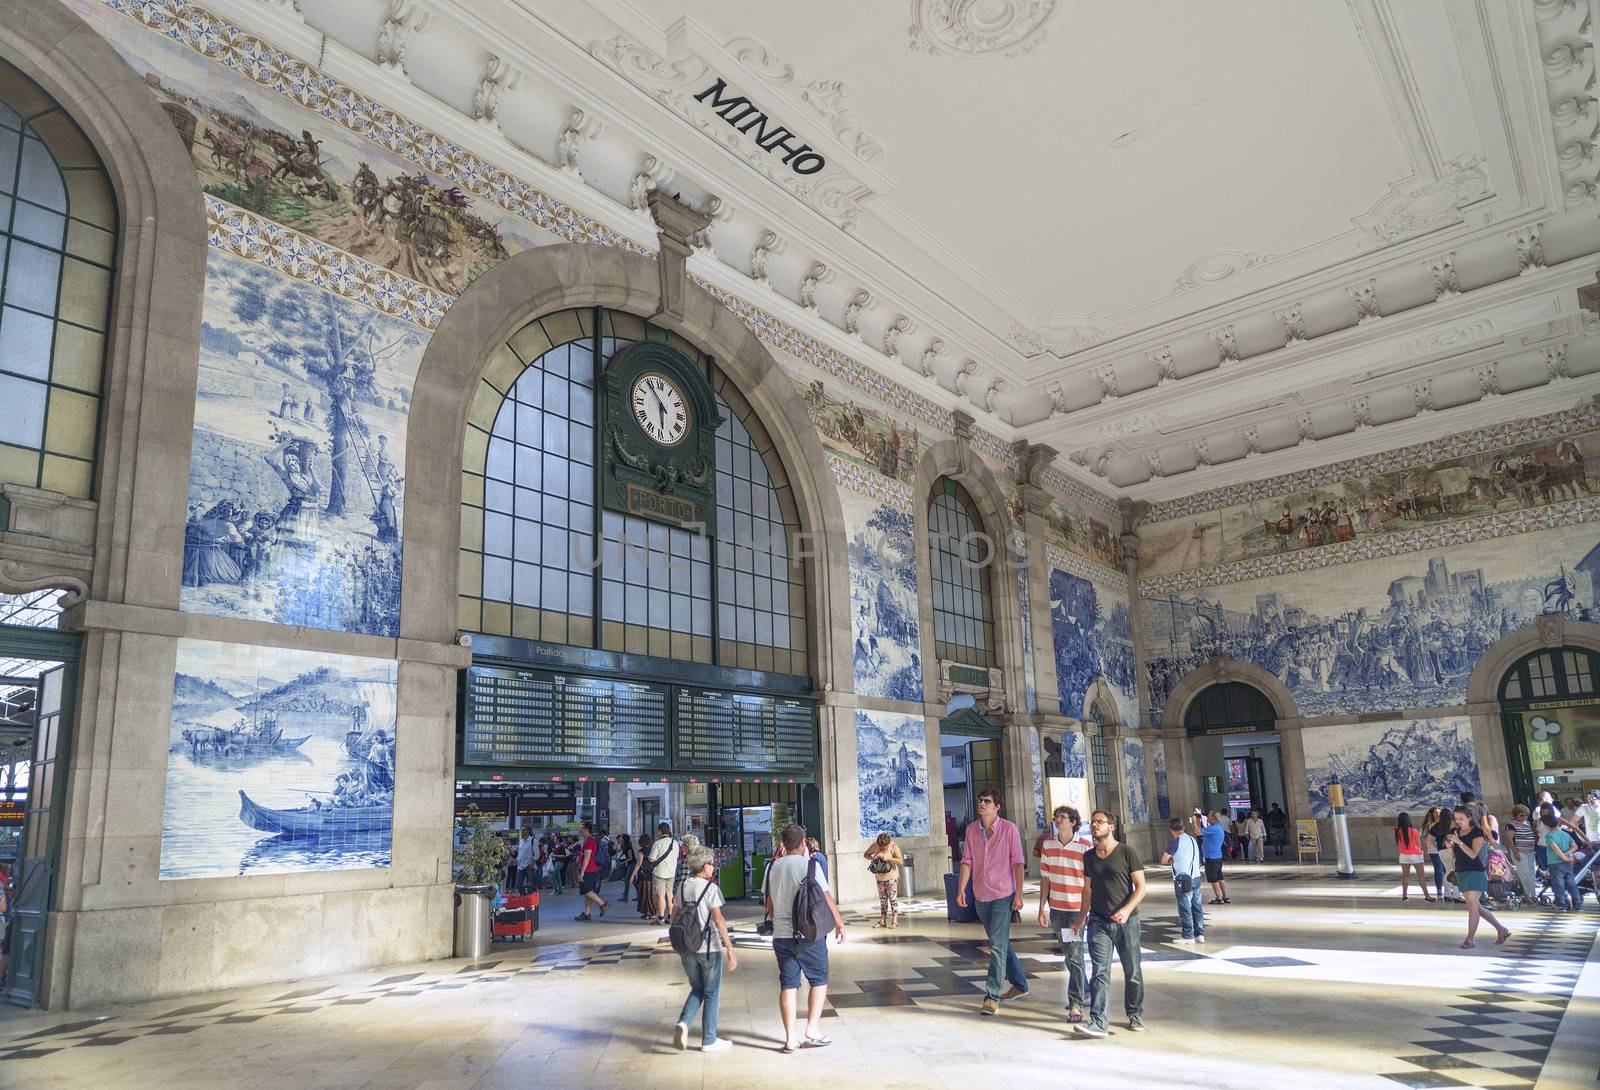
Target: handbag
x=880 y=866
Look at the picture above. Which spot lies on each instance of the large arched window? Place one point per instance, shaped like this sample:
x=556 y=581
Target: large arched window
x=1551 y=674
x=959 y=558
x=1229 y=706
x=57 y=244
x=541 y=561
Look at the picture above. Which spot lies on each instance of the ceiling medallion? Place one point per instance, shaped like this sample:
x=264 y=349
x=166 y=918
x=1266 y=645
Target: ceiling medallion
x=1215 y=267
x=977 y=28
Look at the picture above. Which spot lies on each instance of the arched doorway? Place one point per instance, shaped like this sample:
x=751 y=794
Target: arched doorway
x=1232 y=729
x=1550 y=712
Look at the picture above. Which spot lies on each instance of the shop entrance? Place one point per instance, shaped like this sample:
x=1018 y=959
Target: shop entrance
x=1236 y=750
x=38 y=682
x=1550 y=711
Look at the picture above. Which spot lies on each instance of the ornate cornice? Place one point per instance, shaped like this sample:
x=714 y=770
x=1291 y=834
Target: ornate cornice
x=1566 y=40
x=1508 y=433
x=255 y=238
x=1570 y=513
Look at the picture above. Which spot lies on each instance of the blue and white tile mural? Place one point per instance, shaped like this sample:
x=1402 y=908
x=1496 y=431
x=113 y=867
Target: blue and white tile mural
x=1093 y=631
x=1068 y=748
x=1038 y=778
x=278 y=760
x=892 y=766
x=1158 y=765
x=1134 y=782
x=1386 y=768
x=1400 y=632
x=883 y=599
x=1030 y=692
x=296 y=493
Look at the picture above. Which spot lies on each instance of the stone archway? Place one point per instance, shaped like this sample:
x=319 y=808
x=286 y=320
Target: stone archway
x=1547 y=632
x=1223 y=669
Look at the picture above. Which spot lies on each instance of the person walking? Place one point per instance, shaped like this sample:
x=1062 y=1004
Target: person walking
x=1277 y=829
x=525 y=861
x=663 y=864
x=1408 y=847
x=1183 y=856
x=644 y=889
x=688 y=844
x=883 y=862
x=1469 y=846
x=1255 y=830
x=1560 y=853
x=589 y=874
x=1588 y=815
x=1431 y=847
x=1440 y=831
x=992 y=857
x=1212 y=838
x=796 y=955
x=814 y=846
x=1061 y=901
x=1113 y=887
x=1521 y=846
x=704 y=966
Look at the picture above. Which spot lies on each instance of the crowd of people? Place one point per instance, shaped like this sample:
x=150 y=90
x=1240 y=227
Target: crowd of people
x=1534 y=856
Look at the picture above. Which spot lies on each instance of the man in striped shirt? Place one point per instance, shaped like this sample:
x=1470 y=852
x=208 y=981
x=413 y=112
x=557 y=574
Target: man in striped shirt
x=1061 y=901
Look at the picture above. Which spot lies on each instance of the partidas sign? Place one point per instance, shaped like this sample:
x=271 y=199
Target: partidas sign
x=770 y=136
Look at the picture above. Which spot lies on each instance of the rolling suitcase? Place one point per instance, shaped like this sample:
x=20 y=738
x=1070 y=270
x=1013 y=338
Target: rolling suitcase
x=953 y=913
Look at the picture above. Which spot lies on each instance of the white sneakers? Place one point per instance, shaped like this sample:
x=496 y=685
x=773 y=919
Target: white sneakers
x=1183 y=942
x=721 y=1044
x=680 y=1036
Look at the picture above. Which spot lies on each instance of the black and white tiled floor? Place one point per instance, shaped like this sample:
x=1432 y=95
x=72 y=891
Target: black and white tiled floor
x=1341 y=977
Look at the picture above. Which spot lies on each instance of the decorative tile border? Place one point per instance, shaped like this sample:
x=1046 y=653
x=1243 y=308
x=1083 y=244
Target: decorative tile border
x=864 y=482
x=1495 y=436
x=1062 y=485
x=287 y=251
x=1057 y=557
x=231 y=46
x=1570 y=513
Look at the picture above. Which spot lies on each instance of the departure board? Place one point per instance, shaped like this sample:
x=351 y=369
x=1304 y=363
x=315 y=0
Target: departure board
x=717 y=729
x=545 y=720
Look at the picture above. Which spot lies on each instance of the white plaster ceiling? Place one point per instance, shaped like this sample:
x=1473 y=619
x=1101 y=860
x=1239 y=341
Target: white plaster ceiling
x=1140 y=235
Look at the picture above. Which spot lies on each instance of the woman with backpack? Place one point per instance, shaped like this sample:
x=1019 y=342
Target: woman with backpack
x=699 y=934
x=883 y=861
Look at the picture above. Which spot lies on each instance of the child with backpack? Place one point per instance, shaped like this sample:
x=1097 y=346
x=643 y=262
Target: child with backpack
x=699 y=934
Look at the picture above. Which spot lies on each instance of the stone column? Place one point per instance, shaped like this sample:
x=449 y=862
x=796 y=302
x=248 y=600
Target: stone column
x=1032 y=461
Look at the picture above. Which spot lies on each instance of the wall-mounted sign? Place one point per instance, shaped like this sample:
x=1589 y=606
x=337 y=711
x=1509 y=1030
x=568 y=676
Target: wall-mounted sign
x=770 y=136
x=12 y=812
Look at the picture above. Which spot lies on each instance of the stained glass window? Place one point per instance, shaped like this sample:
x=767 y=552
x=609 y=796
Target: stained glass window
x=959 y=557
x=541 y=561
x=57 y=242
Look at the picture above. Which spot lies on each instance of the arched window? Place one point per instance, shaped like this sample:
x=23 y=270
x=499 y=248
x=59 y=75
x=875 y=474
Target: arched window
x=1543 y=675
x=1231 y=705
x=1099 y=765
x=58 y=224
x=959 y=557
x=541 y=561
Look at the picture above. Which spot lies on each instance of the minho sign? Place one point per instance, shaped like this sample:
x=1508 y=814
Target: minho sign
x=770 y=136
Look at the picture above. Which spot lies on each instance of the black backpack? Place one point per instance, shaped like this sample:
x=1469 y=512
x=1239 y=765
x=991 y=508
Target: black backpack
x=687 y=933
x=813 y=919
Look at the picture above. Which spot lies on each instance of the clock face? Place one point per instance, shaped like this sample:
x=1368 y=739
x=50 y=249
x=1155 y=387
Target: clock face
x=659 y=409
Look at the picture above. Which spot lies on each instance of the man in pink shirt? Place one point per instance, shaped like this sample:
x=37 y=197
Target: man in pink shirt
x=992 y=857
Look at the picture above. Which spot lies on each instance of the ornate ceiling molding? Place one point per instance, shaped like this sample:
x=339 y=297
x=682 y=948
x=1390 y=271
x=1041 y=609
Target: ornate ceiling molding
x=1566 y=37
x=980 y=28
x=1213 y=268
x=817 y=112
x=1407 y=211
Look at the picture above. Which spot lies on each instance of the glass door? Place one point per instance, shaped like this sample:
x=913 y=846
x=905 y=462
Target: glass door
x=34 y=884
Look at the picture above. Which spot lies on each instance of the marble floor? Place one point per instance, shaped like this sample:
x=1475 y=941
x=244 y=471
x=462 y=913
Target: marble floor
x=1305 y=980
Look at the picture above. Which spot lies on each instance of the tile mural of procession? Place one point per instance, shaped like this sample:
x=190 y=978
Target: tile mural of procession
x=296 y=493
x=892 y=766
x=1528 y=475
x=1400 y=632
x=883 y=599
x=278 y=760
x=1406 y=765
x=866 y=436
x=265 y=153
x=1092 y=628
x=1134 y=784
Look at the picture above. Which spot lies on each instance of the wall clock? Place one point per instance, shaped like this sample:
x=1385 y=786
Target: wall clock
x=660 y=409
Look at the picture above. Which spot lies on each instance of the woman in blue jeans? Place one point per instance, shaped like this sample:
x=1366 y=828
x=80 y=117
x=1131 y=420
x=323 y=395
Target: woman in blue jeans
x=1183 y=856
x=704 y=967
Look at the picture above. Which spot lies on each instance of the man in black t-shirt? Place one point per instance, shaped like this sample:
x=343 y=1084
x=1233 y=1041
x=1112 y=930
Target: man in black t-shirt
x=1113 y=887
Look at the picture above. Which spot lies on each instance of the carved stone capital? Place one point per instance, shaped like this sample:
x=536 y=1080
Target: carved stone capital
x=962 y=423
x=675 y=223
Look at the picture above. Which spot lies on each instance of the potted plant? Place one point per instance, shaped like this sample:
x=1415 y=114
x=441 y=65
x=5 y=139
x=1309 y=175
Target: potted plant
x=477 y=864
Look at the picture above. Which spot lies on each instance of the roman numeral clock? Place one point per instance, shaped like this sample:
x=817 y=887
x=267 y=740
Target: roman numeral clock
x=659 y=423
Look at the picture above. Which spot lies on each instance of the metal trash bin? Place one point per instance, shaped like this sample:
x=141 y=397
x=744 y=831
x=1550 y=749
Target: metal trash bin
x=908 y=883
x=472 y=921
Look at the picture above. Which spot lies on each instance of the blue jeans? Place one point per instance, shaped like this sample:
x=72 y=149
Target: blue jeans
x=705 y=983
x=1003 y=964
x=1077 y=977
x=1564 y=885
x=1104 y=936
x=1191 y=916
x=1438 y=872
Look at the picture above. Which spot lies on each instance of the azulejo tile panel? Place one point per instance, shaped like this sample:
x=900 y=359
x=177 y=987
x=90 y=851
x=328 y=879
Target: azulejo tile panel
x=1068 y=561
x=1092 y=628
x=225 y=44
x=1405 y=765
x=1531 y=429
x=1573 y=512
x=283 y=250
x=892 y=771
x=864 y=482
x=887 y=652
x=1134 y=785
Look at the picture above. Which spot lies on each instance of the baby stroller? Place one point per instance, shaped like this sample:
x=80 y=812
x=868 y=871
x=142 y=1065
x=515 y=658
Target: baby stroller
x=1505 y=891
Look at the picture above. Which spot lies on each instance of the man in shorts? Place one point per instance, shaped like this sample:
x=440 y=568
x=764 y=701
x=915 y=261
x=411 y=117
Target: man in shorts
x=796 y=956
x=663 y=864
x=1211 y=841
x=590 y=875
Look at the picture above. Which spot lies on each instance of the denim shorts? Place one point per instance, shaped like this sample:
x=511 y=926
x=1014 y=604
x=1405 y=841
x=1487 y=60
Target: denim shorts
x=796 y=956
x=1474 y=881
